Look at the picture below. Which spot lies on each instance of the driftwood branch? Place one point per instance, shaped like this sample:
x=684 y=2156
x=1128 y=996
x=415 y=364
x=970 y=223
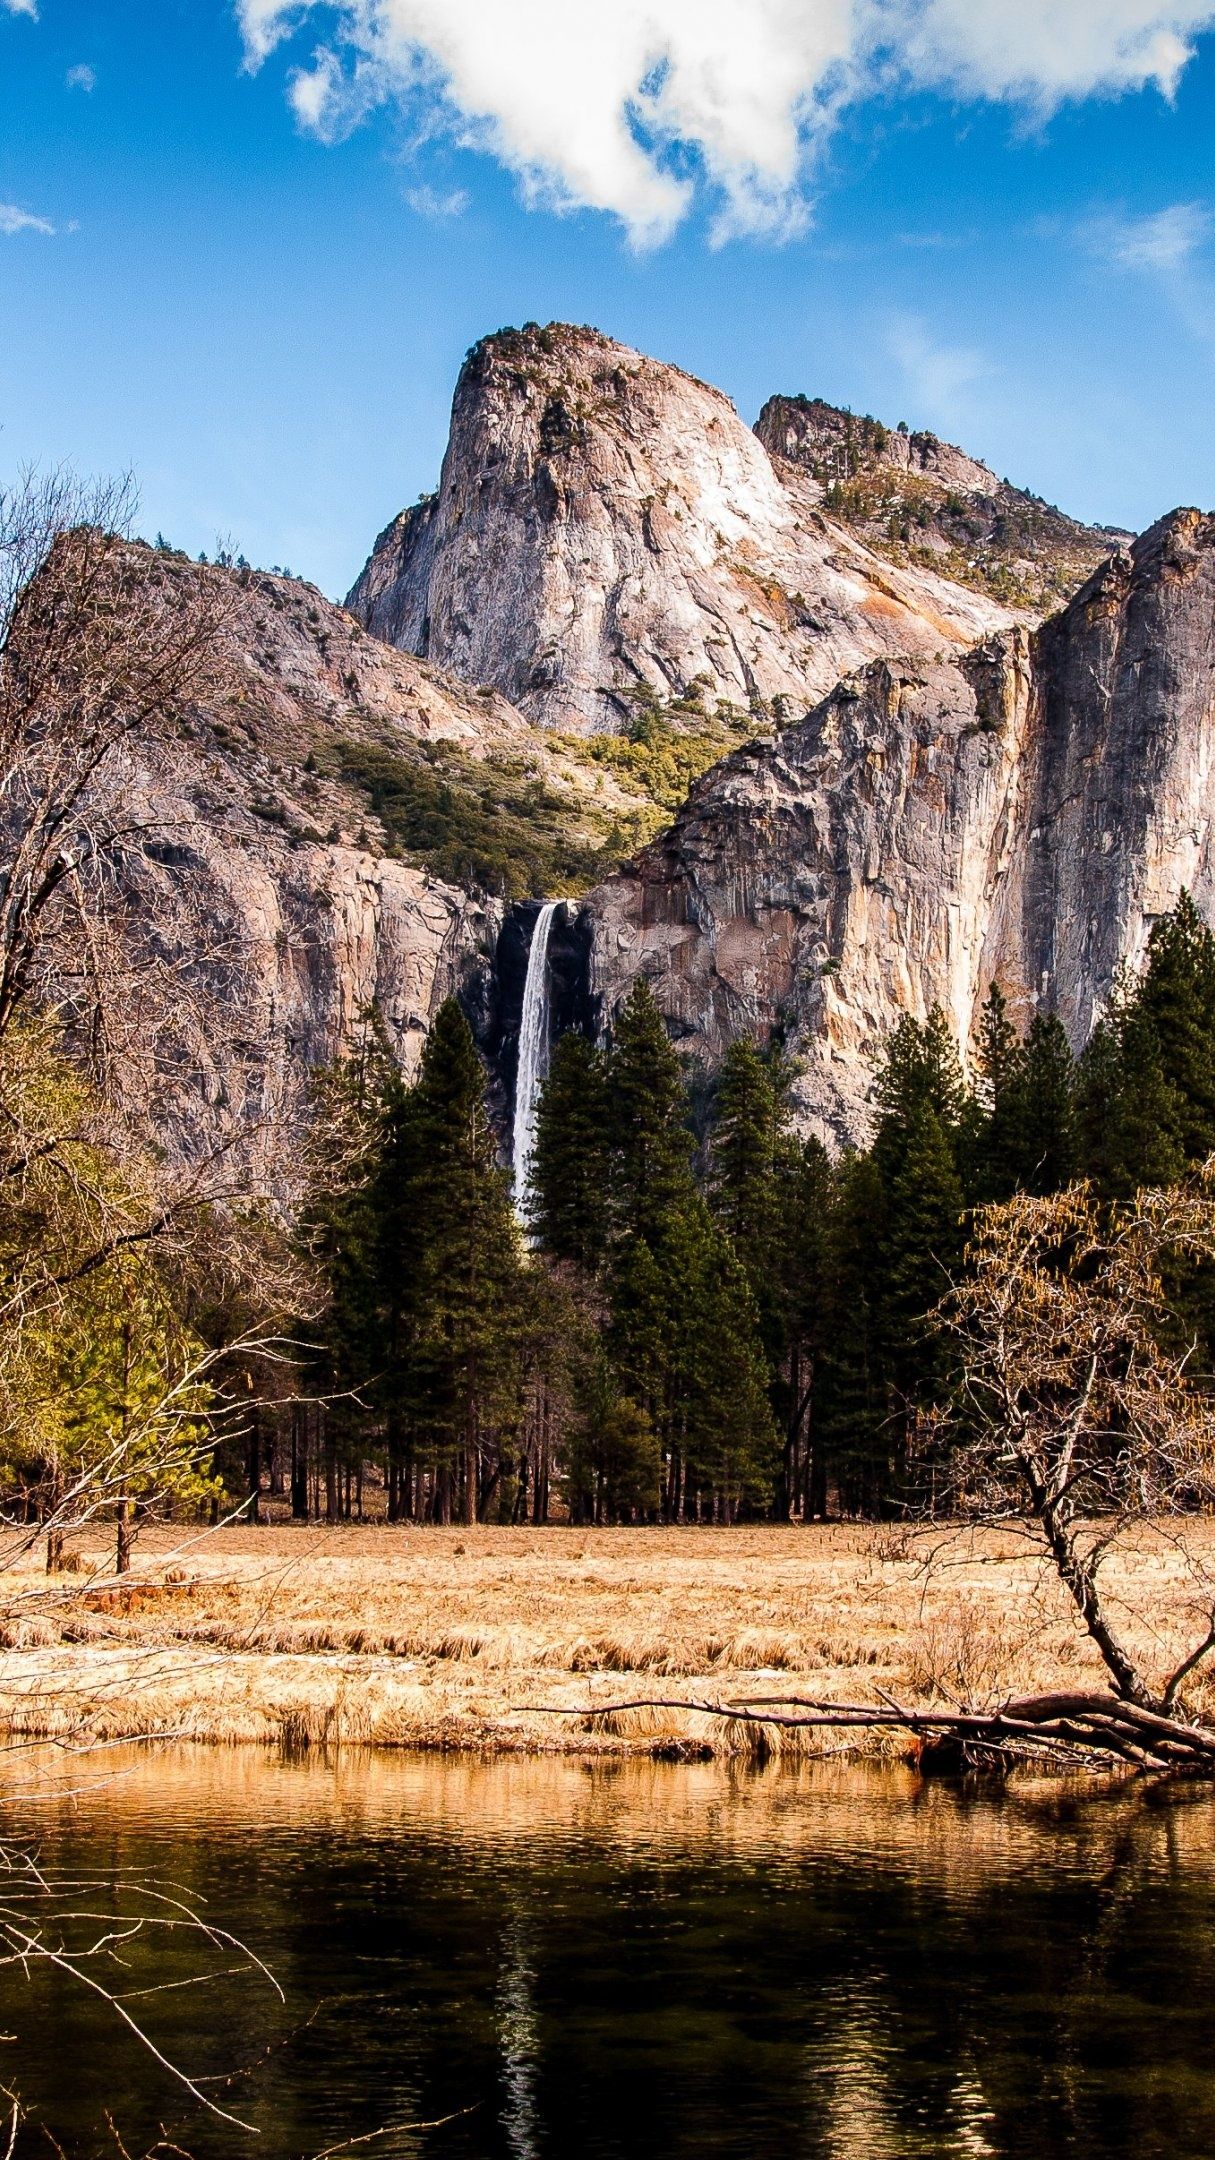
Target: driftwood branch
x=1063 y=1725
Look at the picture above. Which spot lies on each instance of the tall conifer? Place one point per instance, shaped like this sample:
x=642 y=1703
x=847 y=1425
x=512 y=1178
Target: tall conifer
x=570 y=1165
x=466 y=1338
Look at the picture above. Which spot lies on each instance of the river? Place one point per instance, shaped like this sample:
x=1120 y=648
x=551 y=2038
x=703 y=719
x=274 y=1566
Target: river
x=629 y=1959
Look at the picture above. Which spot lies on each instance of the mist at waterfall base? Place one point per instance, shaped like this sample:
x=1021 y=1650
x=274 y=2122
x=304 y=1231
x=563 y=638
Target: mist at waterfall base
x=533 y=1053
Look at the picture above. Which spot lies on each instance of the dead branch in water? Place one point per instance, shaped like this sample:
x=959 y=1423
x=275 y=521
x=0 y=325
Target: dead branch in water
x=1061 y=1726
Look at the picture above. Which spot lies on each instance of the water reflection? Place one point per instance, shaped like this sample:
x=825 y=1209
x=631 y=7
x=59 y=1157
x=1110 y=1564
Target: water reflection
x=642 y=1959
x=519 y=2032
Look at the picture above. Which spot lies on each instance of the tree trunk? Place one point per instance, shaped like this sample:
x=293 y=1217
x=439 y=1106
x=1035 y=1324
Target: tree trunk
x=1079 y=1582
x=254 y=1467
x=299 y=1464
x=122 y=1561
x=331 y=1479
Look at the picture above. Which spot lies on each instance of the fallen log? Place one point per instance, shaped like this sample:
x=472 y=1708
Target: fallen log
x=1059 y=1726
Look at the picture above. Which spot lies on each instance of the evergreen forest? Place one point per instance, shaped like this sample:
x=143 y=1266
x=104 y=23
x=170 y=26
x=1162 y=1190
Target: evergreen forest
x=710 y=1318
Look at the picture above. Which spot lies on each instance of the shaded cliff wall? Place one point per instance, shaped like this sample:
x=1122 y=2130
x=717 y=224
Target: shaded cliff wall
x=1020 y=813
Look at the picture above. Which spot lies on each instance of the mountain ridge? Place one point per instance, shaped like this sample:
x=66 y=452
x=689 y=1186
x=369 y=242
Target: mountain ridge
x=606 y=527
x=921 y=501
x=972 y=795
x=1018 y=814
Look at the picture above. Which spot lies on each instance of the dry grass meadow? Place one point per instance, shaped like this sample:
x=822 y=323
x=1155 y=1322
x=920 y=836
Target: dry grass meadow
x=467 y=1639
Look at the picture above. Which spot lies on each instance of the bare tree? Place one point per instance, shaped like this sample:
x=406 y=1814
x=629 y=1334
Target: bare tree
x=101 y=645
x=120 y=993
x=1076 y=1410
x=1079 y=1422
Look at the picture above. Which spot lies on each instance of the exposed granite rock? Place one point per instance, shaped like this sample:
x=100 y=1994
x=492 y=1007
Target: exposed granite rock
x=975 y=799
x=605 y=523
x=263 y=867
x=919 y=501
x=1020 y=813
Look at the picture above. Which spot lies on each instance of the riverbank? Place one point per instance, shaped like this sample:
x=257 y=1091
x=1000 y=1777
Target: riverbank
x=473 y=1638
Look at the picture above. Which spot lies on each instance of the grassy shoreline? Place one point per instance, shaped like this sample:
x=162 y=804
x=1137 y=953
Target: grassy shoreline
x=468 y=1639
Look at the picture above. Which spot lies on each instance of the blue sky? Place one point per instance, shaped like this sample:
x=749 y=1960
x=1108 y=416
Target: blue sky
x=243 y=247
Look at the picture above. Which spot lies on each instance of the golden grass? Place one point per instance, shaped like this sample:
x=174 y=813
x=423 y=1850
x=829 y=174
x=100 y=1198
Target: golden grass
x=467 y=1639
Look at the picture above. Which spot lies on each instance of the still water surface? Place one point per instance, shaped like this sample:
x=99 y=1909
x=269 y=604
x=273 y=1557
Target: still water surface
x=635 y=1960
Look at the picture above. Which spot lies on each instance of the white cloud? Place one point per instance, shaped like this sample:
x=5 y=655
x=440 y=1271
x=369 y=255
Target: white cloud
x=1166 y=248
x=82 y=78
x=429 y=203
x=22 y=7
x=935 y=374
x=313 y=90
x=1043 y=52
x=15 y=220
x=621 y=105
x=1162 y=243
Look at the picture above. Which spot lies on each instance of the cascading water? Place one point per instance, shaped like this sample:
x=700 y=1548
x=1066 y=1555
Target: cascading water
x=533 y=1051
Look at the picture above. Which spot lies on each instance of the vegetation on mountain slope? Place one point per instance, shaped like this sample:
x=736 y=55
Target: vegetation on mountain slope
x=923 y=503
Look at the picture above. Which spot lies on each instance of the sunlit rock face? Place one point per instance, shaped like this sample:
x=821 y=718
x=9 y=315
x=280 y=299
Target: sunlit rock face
x=956 y=793
x=257 y=882
x=921 y=502
x=605 y=523
x=1018 y=813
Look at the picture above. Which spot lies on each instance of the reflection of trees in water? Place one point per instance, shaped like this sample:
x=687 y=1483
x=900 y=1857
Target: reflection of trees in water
x=860 y=2098
x=1073 y=1996
x=812 y=1965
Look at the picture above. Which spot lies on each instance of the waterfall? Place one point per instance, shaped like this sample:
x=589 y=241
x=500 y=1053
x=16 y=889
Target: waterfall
x=533 y=1051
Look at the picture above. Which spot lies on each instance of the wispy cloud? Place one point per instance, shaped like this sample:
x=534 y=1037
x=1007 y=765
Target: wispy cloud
x=636 y=106
x=14 y=220
x=1162 y=243
x=430 y=203
x=82 y=77
x=21 y=7
x=936 y=373
x=1165 y=249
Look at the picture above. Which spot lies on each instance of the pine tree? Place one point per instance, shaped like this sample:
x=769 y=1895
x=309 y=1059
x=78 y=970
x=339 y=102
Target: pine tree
x=466 y=1367
x=641 y=1333
x=920 y=1252
x=920 y=1065
x=651 y=1146
x=1126 y=1108
x=743 y=1155
x=1176 y=1000
x=992 y=1165
x=1039 y=1108
x=729 y=1441
x=571 y=1178
x=804 y=1189
x=354 y=1101
x=614 y=1467
x=397 y=1258
x=853 y=1397
x=922 y=1131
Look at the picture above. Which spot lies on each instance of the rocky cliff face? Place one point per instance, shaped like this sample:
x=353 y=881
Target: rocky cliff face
x=290 y=836
x=607 y=527
x=920 y=502
x=1019 y=812
x=939 y=794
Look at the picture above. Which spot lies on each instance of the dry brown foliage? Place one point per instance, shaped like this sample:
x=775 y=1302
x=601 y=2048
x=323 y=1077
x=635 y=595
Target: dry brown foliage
x=431 y=1638
x=1079 y=1419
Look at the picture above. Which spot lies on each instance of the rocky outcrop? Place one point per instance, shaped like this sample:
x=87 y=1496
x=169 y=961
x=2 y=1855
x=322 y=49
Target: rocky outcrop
x=606 y=528
x=258 y=878
x=1018 y=813
x=918 y=501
